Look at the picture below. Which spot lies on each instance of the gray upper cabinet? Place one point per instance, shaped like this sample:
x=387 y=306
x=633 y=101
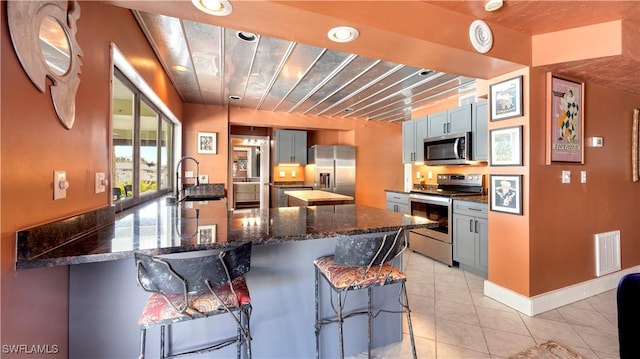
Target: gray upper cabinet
x=413 y=134
x=456 y=120
x=480 y=131
x=291 y=147
x=438 y=124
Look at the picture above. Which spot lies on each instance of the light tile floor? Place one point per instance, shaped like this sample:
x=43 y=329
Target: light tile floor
x=453 y=319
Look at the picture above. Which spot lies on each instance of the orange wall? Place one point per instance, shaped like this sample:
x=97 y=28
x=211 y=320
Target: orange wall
x=509 y=257
x=551 y=245
x=565 y=217
x=205 y=118
x=34 y=144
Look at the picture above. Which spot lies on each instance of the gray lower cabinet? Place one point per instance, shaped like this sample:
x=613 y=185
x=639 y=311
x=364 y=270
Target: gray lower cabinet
x=471 y=236
x=398 y=202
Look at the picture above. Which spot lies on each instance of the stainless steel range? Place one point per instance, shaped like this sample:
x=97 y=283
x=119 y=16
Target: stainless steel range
x=435 y=203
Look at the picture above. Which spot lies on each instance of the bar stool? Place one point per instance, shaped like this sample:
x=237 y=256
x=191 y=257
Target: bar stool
x=185 y=289
x=361 y=263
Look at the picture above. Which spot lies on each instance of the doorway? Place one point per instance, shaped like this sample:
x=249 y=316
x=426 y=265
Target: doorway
x=249 y=168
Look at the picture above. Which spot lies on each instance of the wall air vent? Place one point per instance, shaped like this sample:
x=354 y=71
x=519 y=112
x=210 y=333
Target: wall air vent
x=607 y=252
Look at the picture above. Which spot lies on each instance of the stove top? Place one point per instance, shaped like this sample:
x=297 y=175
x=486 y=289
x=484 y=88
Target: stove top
x=452 y=185
x=448 y=192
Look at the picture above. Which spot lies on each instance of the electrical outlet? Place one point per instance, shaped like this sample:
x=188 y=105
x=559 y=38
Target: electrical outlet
x=566 y=176
x=101 y=182
x=293 y=173
x=281 y=174
x=60 y=185
x=430 y=175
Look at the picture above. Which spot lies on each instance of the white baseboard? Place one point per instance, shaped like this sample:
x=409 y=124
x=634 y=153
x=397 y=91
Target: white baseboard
x=557 y=298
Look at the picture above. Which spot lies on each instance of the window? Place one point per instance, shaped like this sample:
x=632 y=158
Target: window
x=142 y=145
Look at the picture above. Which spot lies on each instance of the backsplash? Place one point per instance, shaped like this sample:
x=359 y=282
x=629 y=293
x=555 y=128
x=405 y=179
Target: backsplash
x=420 y=174
x=36 y=241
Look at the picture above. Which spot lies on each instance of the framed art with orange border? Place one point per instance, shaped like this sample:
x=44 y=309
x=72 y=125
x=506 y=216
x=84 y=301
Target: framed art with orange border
x=565 y=120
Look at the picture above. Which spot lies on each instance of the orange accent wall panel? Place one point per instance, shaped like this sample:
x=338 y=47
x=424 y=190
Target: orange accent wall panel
x=33 y=144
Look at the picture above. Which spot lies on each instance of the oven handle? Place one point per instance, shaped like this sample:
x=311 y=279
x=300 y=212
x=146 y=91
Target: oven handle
x=445 y=201
x=455 y=148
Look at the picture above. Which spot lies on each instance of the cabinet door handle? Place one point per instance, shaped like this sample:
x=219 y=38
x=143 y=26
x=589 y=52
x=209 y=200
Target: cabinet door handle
x=476 y=226
x=471 y=225
x=448 y=127
x=444 y=127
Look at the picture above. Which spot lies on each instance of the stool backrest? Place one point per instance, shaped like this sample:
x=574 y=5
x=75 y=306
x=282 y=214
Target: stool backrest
x=369 y=251
x=187 y=275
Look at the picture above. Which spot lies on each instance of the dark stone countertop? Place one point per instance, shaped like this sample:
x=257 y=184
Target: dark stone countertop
x=157 y=227
x=397 y=191
x=481 y=198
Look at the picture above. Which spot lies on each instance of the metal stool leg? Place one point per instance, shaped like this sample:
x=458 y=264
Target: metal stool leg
x=318 y=326
x=340 y=322
x=369 y=318
x=408 y=309
x=143 y=337
x=247 y=318
x=162 y=334
x=239 y=335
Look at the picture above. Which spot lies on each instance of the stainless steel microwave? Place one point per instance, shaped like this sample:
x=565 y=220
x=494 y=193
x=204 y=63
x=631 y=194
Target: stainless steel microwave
x=448 y=150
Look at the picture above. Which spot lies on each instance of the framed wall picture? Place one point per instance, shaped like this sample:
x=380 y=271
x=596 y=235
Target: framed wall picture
x=506 y=146
x=207 y=142
x=207 y=234
x=565 y=120
x=506 y=99
x=506 y=193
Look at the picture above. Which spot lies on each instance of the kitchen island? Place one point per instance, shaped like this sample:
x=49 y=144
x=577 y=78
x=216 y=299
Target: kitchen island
x=316 y=198
x=105 y=301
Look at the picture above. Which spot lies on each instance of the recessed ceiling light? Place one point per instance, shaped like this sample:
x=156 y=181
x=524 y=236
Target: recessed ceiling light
x=343 y=34
x=213 y=7
x=348 y=109
x=180 y=68
x=425 y=72
x=234 y=97
x=493 y=5
x=246 y=36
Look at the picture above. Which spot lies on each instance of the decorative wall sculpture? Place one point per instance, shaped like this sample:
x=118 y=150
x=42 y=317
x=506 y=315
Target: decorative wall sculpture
x=44 y=38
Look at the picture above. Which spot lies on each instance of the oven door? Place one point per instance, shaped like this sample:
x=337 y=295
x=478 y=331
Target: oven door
x=435 y=208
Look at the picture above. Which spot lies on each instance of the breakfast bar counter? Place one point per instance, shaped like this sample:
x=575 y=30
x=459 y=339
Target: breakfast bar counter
x=105 y=300
x=158 y=227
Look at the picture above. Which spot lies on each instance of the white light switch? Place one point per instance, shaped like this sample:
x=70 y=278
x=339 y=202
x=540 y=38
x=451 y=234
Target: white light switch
x=293 y=173
x=282 y=174
x=566 y=176
x=101 y=182
x=60 y=185
x=583 y=176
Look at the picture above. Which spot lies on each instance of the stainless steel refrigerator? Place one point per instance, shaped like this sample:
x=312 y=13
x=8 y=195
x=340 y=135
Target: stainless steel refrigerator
x=332 y=169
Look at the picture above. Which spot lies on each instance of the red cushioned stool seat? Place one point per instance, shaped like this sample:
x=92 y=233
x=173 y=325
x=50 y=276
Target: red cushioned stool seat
x=184 y=289
x=361 y=262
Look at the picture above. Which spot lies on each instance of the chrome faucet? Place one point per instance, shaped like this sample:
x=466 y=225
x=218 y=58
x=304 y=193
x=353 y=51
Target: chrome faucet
x=178 y=174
